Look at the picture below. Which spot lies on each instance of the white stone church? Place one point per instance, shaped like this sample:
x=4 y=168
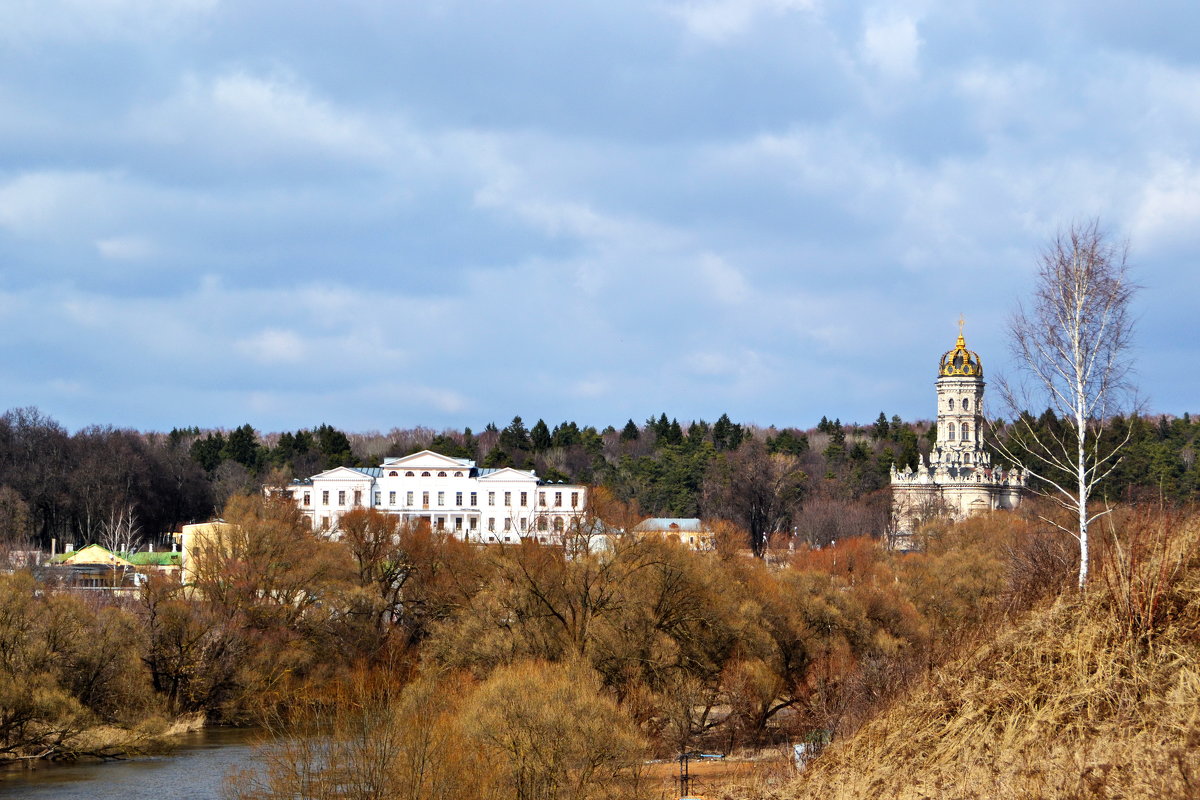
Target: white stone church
x=959 y=478
x=488 y=506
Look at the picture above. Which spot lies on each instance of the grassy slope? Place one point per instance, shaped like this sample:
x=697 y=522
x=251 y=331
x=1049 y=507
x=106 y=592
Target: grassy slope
x=1087 y=697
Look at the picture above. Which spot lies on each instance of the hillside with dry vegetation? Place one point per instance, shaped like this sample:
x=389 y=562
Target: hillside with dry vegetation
x=1093 y=695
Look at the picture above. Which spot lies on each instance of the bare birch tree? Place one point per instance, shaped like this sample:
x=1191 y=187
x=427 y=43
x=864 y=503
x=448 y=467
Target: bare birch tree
x=1072 y=347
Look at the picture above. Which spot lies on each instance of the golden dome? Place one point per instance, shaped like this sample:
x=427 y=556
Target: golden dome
x=961 y=362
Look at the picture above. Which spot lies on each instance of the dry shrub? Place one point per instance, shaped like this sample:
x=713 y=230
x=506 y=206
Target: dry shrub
x=1056 y=706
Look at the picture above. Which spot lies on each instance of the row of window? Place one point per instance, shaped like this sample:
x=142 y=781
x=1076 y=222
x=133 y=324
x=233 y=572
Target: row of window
x=426 y=474
x=409 y=497
x=966 y=403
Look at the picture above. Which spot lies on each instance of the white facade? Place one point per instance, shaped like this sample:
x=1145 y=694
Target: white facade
x=959 y=479
x=489 y=506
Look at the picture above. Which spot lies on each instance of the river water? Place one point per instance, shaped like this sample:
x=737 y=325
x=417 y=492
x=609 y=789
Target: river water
x=194 y=771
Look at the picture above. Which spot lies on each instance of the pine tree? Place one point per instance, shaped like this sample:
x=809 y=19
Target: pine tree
x=630 y=433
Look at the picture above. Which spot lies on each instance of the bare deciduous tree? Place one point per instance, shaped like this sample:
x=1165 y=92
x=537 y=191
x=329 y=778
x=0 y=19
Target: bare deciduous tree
x=1072 y=346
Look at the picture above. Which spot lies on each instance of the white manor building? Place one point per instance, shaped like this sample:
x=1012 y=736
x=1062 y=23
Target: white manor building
x=959 y=479
x=489 y=506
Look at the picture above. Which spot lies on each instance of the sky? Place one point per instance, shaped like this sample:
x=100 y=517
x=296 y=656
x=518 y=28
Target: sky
x=446 y=213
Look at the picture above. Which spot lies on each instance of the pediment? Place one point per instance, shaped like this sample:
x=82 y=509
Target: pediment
x=427 y=459
x=341 y=474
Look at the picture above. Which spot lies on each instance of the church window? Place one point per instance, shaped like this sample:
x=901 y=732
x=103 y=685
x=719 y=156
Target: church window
x=951 y=430
x=951 y=403
x=966 y=431
x=966 y=404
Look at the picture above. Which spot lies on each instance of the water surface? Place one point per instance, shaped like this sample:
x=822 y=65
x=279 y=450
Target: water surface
x=194 y=771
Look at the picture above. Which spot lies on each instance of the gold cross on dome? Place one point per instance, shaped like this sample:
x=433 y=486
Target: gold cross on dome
x=961 y=320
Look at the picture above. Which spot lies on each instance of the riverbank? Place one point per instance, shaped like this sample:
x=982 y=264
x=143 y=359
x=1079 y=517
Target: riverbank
x=153 y=736
x=193 y=768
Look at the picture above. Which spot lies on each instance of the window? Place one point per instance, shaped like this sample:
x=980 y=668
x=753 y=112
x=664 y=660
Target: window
x=543 y=524
x=541 y=498
x=966 y=432
x=325 y=498
x=410 y=474
x=951 y=429
x=507 y=524
x=458 y=474
x=508 y=498
x=558 y=499
x=391 y=498
x=441 y=498
x=558 y=524
x=458 y=523
x=523 y=524
x=441 y=474
x=524 y=499
x=408 y=498
x=473 y=523
x=966 y=404
x=474 y=499
x=491 y=498
x=424 y=474
x=574 y=499
x=393 y=474
x=342 y=497
x=441 y=523
x=491 y=523
x=379 y=498
x=425 y=499
x=951 y=401
x=307 y=498
x=458 y=498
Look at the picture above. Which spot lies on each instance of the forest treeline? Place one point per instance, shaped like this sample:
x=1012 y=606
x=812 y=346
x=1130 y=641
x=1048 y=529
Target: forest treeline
x=821 y=485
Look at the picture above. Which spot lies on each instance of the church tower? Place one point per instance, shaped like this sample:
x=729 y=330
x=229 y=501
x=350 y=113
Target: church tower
x=958 y=479
x=959 y=446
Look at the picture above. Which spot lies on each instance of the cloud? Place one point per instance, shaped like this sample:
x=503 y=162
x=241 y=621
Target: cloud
x=23 y=22
x=718 y=21
x=126 y=248
x=892 y=46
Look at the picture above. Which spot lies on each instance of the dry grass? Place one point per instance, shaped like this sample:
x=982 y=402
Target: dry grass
x=1088 y=697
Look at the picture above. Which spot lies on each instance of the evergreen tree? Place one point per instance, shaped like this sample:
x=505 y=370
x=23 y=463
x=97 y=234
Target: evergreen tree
x=630 y=433
x=334 y=446
x=539 y=437
x=242 y=446
x=207 y=451
x=788 y=442
x=880 y=429
x=726 y=435
x=515 y=436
